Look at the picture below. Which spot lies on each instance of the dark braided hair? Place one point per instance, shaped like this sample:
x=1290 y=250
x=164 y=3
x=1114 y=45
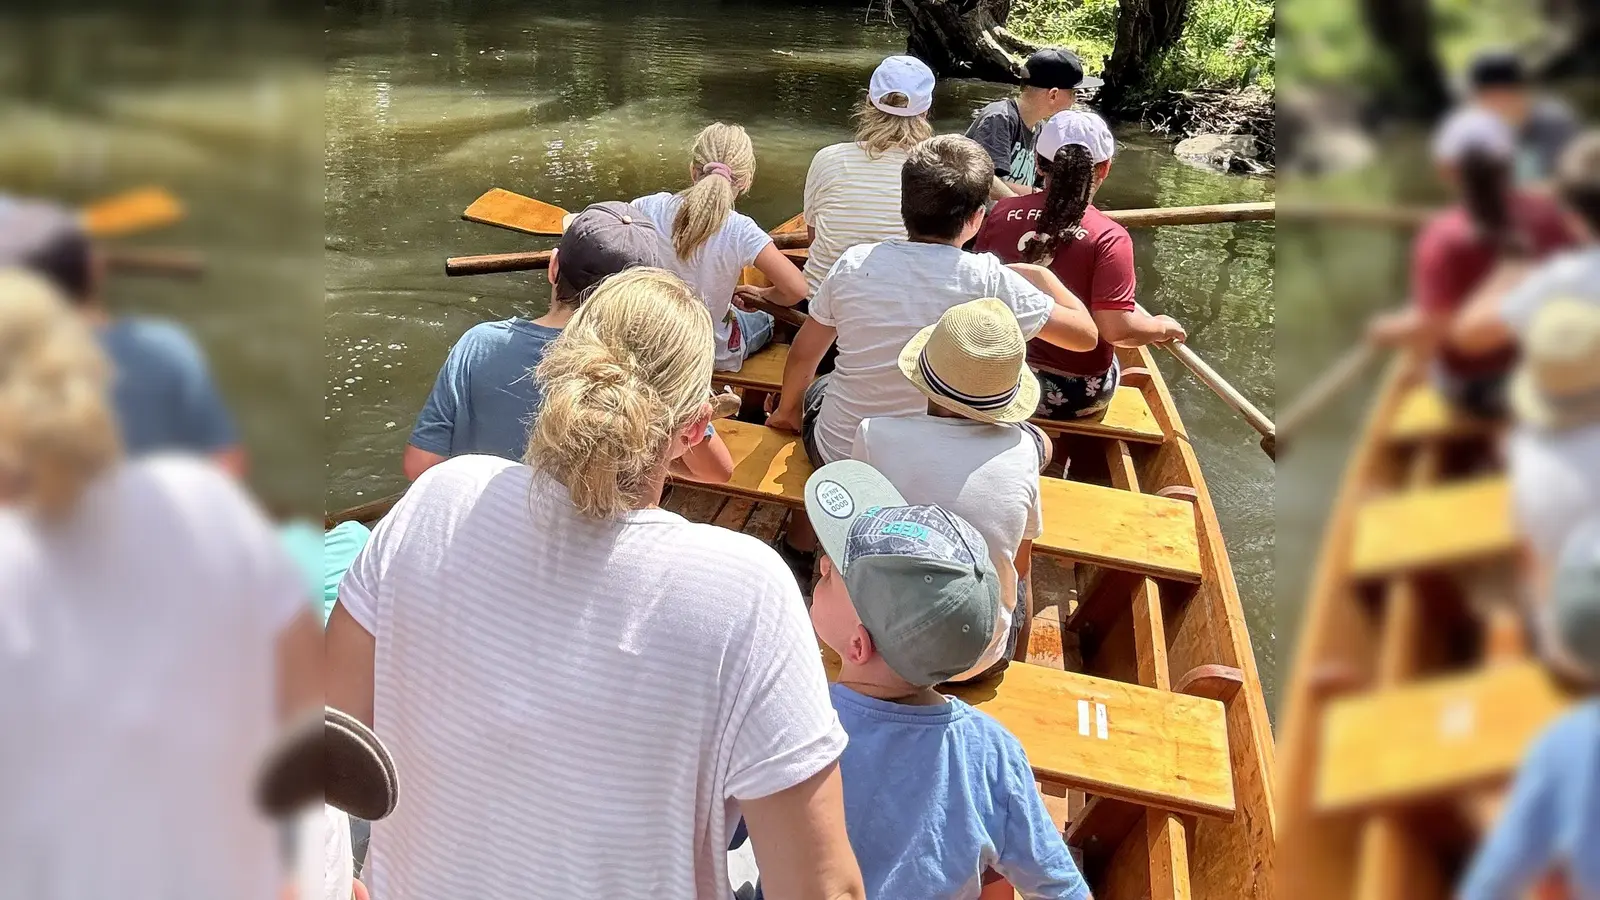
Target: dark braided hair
x=1071 y=175
x=1486 y=194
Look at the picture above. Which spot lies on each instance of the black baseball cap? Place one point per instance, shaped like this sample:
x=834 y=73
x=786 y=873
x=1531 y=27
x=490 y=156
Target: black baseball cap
x=1496 y=68
x=603 y=240
x=1057 y=67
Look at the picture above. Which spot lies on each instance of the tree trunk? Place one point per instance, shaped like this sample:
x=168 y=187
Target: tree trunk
x=1403 y=30
x=965 y=38
x=1145 y=30
x=1572 y=31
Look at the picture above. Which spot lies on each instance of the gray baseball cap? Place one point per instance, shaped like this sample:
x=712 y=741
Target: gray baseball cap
x=920 y=577
x=47 y=239
x=1575 y=599
x=604 y=239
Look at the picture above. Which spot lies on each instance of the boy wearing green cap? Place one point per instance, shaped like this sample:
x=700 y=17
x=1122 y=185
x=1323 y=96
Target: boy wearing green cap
x=939 y=798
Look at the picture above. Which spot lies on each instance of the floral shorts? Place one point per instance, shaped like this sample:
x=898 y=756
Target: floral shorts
x=1076 y=396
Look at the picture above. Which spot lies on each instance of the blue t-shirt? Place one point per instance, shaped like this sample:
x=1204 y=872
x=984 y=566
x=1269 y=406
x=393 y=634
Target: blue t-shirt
x=934 y=795
x=485 y=397
x=162 y=390
x=1552 y=820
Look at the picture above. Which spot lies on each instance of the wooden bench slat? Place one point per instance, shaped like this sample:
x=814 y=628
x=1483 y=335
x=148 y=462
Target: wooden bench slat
x=1159 y=749
x=1432 y=527
x=1424 y=415
x=1433 y=737
x=1128 y=418
x=1123 y=530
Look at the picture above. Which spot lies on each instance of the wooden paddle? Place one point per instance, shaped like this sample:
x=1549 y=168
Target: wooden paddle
x=514 y=211
x=1331 y=383
x=132 y=212
x=1229 y=394
x=152 y=261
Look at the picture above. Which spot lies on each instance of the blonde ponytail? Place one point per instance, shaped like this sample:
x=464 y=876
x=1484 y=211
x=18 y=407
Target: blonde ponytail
x=724 y=168
x=57 y=431
x=878 y=132
x=630 y=370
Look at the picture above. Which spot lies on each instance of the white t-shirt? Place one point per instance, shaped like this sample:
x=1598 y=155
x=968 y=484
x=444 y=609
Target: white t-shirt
x=714 y=271
x=576 y=706
x=986 y=474
x=1555 y=484
x=137 y=690
x=879 y=296
x=1573 y=275
x=850 y=199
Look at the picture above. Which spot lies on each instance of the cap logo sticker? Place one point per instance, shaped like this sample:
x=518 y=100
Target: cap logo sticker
x=835 y=500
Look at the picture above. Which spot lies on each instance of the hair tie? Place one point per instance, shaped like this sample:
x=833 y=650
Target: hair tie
x=716 y=168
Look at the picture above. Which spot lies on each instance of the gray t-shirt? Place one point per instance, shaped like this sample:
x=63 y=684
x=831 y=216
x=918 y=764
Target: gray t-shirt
x=1551 y=126
x=999 y=128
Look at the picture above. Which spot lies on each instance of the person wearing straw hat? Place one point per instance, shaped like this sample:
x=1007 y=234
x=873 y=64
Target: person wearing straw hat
x=1554 y=450
x=973 y=453
x=1548 y=835
x=852 y=192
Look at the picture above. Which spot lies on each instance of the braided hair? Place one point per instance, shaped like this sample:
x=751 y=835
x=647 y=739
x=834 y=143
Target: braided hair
x=1486 y=194
x=1071 y=176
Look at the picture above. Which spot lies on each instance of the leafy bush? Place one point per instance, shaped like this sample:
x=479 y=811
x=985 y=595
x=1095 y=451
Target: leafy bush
x=1225 y=43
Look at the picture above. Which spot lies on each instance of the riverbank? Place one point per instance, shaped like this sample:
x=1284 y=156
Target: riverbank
x=1220 y=77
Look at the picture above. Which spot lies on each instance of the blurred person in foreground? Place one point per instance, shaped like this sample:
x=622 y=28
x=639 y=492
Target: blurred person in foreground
x=162 y=391
x=1484 y=241
x=1554 y=450
x=1499 y=81
x=1548 y=836
x=153 y=632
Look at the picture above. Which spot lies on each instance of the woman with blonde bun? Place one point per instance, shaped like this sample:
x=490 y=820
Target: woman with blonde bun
x=542 y=646
x=153 y=633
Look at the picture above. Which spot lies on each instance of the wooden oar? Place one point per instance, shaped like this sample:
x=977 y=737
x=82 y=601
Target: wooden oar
x=522 y=261
x=150 y=261
x=1229 y=394
x=514 y=211
x=132 y=212
x=1193 y=215
x=1331 y=383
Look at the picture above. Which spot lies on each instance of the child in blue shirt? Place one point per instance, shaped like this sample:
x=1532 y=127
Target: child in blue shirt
x=939 y=798
x=1549 y=833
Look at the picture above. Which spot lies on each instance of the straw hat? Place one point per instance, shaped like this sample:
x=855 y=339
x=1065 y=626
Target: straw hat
x=974 y=361
x=1557 y=384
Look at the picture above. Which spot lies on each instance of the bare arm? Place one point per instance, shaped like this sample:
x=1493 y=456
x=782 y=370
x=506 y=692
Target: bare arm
x=788 y=283
x=1479 y=327
x=707 y=462
x=299 y=663
x=351 y=653
x=1132 y=328
x=417 y=460
x=1070 y=326
x=810 y=344
x=800 y=842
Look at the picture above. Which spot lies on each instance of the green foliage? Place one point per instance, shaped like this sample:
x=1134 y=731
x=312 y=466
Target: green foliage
x=1328 y=42
x=1225 y=43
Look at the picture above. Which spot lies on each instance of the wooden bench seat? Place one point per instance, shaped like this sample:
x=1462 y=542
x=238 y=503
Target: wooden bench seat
x=1432 y=738
x=1128 y=417
x=1433 y=527
x=1148 y=747
x=1122 y=530
x=1424 y=415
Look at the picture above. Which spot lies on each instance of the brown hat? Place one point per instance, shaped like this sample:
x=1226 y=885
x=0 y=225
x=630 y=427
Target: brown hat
x=1557 y=384
x=601 y=241
x=974 y=361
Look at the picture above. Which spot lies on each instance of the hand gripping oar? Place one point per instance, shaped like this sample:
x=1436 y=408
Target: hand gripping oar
x=1229 y=394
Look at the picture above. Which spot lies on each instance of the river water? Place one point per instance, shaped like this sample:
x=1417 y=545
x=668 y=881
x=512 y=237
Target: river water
x=428 y=104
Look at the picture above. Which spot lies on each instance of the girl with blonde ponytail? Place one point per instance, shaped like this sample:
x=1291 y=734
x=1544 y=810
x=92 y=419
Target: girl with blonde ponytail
x=544 y=641
x=712 y=244
x=146 y=603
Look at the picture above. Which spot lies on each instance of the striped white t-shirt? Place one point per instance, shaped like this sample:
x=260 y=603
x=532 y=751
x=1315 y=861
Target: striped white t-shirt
x=575 y=707
x=850 y=199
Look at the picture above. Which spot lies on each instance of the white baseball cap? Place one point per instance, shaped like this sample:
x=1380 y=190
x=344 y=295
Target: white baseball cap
x=905 y=75
x=1470 y=129
x=1076 y=126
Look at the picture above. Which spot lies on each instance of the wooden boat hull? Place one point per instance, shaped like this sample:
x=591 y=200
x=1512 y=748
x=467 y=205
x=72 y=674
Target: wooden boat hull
x=1161 y=634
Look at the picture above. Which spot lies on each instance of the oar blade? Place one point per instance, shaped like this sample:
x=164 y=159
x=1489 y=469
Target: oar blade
x=135 y=211
x=506 y=209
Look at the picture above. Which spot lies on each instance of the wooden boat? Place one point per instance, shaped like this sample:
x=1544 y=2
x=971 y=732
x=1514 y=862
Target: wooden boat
x=1412 y=696
x=1140 y=707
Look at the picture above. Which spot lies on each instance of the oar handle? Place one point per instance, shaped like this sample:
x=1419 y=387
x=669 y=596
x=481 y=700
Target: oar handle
x=497 y=262
x=1242 y=405
x=1193 y=215
x=145 y=261
x=1344 y=372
